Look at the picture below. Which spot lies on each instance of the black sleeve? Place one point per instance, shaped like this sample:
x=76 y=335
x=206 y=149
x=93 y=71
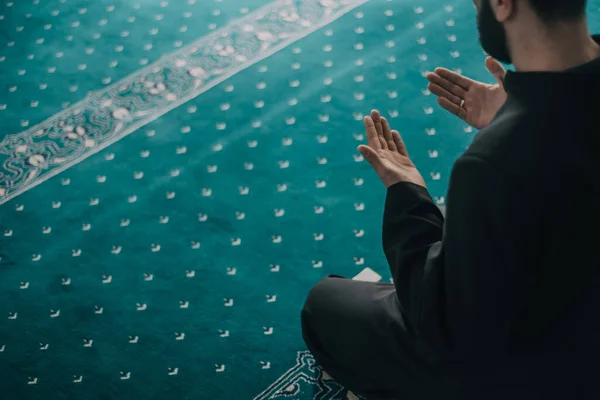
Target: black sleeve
x=462 y=283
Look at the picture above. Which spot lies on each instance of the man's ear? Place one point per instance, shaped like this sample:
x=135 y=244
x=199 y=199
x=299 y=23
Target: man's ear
x=503 y=9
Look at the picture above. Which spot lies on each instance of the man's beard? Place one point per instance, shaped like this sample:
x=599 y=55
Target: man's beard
x=492 y=35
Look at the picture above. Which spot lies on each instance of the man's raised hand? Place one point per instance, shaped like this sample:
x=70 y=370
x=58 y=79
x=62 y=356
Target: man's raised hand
x=474 y=102
x=387 y=154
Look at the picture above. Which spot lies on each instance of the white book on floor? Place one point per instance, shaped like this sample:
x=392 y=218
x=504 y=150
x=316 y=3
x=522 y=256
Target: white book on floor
x=367 y=275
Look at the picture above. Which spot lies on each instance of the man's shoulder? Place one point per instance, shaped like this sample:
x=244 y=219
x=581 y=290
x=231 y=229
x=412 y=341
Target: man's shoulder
x=514 y=138
x=513 y=147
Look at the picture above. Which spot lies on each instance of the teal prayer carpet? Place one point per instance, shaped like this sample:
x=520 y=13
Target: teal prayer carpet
x=175 y=176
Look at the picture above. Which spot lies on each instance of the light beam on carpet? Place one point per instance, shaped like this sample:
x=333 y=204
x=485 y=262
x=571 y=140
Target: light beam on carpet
x=109 y=115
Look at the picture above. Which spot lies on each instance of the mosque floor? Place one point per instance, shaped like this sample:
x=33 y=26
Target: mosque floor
x=176 y=175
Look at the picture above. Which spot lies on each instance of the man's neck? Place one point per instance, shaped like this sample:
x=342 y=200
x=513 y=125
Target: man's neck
x=559 y=48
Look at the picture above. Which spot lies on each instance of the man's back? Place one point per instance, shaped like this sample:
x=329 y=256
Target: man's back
x=497 y=299
x=543 y=146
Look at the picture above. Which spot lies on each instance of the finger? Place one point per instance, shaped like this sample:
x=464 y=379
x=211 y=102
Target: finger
x=441 y=92
x=372 y=137
x=496 y=69
x=400 y=143
x=454 y=78
x=387 y=134
x=371 y=156
x=377 y=120
x=448 y=85
x=453 y=108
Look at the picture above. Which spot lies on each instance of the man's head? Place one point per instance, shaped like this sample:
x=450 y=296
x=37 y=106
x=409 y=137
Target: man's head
x=496 y=17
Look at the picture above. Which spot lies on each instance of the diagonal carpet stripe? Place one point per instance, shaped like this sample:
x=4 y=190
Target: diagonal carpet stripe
x=108 y=115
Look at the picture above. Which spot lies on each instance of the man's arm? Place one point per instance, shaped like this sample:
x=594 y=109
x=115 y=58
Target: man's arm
x=463 y=287
x=412 y=226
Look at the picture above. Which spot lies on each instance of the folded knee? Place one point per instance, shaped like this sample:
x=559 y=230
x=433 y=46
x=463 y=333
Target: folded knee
x=318 y=294
x=314 y=315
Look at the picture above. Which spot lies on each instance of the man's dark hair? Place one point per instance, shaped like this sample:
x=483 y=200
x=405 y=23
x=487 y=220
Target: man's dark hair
x=559 y=10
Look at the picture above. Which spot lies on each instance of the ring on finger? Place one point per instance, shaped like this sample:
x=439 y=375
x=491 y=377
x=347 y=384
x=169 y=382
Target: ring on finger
x=462 y=102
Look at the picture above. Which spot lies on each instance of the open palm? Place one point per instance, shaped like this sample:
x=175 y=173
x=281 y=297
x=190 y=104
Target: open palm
x=387 y=154
x=474 y=102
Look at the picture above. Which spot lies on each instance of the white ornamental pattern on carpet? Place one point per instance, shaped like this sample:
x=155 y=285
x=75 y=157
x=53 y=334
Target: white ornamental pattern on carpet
x=303 y=379
x=106 y=116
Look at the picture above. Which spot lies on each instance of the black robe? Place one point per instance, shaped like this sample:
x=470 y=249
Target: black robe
x=501 y=297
